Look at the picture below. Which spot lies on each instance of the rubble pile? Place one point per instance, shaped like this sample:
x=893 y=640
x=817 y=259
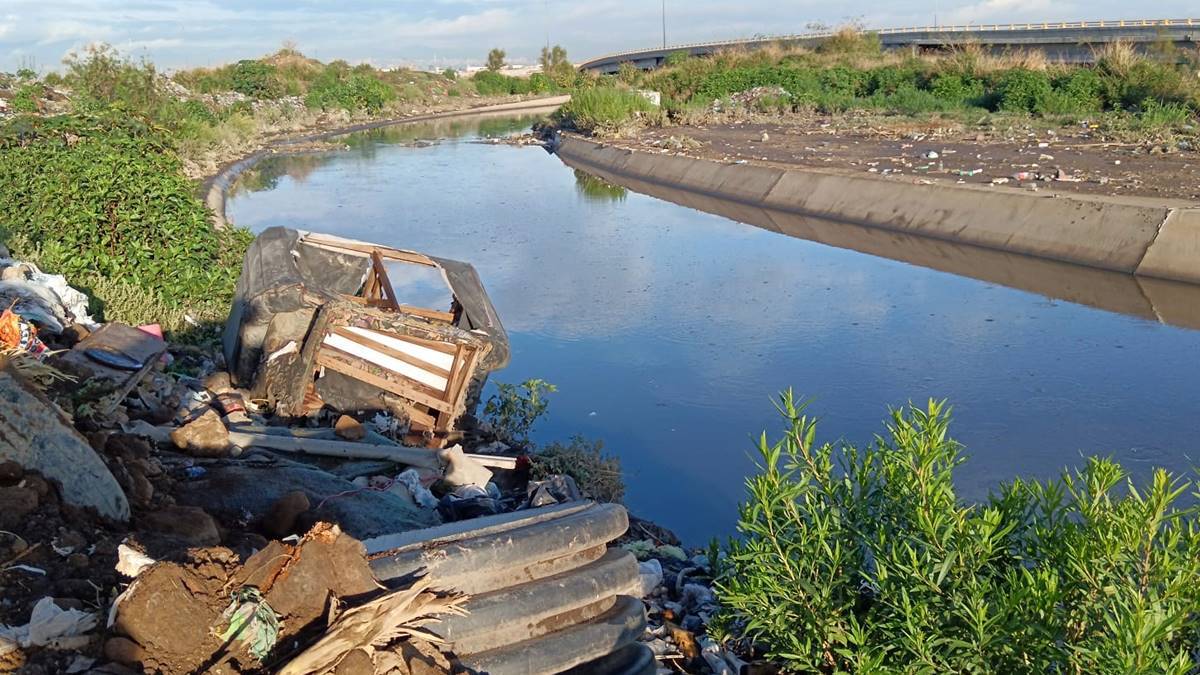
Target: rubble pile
x=155 y=517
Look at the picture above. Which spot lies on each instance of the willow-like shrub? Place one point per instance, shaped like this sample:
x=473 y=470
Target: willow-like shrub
x=865 y=560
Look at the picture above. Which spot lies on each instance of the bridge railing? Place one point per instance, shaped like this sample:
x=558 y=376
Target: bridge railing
x=958 y=28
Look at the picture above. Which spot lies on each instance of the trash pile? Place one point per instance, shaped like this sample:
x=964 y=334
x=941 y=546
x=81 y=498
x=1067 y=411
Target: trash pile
x=676 y=587
x=168 y=509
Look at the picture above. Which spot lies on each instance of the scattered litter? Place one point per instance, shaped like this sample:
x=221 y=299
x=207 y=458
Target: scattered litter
x=52 y=626
x=411 y=480
x=932 y=154
x=27 y=568
x=1003 y=180
x=251 y=621
x=131 y=562
x=968 y=172
x=651 y=576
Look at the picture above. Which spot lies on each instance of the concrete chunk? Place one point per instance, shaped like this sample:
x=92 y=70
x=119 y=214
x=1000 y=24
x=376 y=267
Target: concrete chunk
x=35 y=434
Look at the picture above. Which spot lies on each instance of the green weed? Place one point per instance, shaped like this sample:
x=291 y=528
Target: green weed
x=603 y=109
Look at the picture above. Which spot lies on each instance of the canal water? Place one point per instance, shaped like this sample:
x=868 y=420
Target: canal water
x=669 y=331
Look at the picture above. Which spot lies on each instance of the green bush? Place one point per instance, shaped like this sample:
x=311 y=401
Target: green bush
x=597 y=474
x=1079 y=90
x=338 y=88
x=957 y=88
x=101 y=78
x=843 y=80
x=602 y=109
x=891 y=78
x=1023 y=90
x=865 y=560
x=25 y=98
x=105 y=196
x=255 y=79
x=490 y=83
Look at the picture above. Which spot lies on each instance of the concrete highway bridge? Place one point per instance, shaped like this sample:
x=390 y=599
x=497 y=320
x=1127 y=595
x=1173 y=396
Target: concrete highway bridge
x=1069 y=41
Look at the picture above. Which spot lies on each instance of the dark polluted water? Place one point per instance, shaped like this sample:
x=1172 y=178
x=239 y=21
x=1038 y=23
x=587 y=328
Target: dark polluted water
x=669 y=331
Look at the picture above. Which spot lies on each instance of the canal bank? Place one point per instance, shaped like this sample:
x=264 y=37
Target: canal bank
x=214 y=189
x=1127 y=235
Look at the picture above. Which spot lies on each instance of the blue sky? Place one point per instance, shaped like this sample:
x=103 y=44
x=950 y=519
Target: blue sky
x=175 y=33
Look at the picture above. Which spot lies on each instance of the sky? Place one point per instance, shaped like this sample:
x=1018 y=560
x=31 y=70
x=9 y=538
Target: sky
x=438 y=33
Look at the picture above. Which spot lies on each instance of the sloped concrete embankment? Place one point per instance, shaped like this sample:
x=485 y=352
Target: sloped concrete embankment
x=1134 y=236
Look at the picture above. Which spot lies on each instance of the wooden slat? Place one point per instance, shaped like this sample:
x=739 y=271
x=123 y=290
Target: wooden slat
x=407 y=389
x=395 y=354
x=366 y=249
x=418 y=386
x=381 y=278
x=461 y=377
x=443 y=347
x=433 y=314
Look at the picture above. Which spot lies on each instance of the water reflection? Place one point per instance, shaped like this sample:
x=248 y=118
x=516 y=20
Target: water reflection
x=596 y=189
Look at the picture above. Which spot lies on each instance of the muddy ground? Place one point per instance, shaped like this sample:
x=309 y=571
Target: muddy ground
x=1078 y=159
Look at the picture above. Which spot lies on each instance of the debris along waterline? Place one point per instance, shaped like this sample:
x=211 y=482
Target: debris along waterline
x=214 y=190
x=214 y=517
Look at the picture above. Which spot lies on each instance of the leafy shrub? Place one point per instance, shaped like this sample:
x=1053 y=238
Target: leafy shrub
x=100 y=78
x=105 y=196
x=957 y=88
x=490 y=83
x=799 y=82
x=908 y=100
x=514 y=409
x=843 y=80
x=25 y=98
x=1080 y=90
x=865 y=560
x=598 y=475
x=891 y=78
x=602 y=109
x=336 y=88
x=1023 y=90
x=255 y=79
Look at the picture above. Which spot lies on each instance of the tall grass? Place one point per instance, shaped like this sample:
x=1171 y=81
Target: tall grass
x=604 y=110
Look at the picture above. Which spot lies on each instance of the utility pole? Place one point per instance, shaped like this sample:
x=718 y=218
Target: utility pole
x=664 y=23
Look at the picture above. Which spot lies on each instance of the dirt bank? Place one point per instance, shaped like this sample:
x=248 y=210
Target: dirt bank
x=213 y=189
x=1082 y=159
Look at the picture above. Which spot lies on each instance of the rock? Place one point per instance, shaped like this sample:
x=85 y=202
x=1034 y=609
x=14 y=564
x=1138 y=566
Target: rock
x=15 y=503
x=349 y=429
x=141 y=489
x=124 y=651
x=35 y=434
x=11 y=472
x=765 y=137
x=218 y=382
x=189 y=523
x=281 y=520
x=205 y=436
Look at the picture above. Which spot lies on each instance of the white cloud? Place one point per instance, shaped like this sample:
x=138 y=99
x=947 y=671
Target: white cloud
x=200 y=32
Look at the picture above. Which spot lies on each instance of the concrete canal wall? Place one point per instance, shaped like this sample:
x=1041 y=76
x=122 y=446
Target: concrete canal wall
x=1136 y=236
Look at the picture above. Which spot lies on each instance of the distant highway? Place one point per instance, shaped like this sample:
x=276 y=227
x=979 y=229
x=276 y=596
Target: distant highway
x=1071 y=41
